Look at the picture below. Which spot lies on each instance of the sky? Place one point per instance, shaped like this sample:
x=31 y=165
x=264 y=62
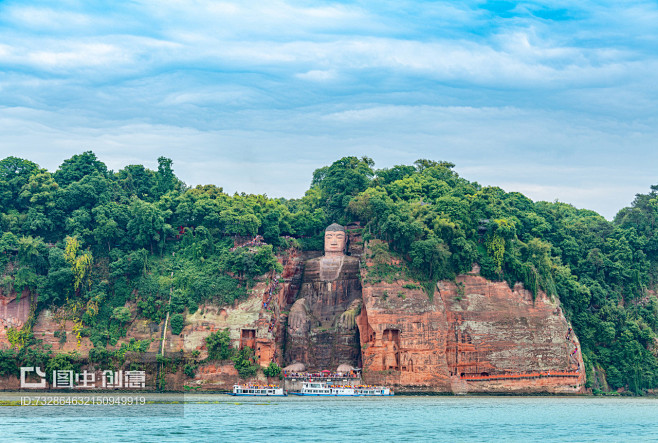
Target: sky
x=556 y=99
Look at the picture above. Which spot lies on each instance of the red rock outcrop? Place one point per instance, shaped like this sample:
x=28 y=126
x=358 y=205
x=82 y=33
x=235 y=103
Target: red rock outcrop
x=14 y=312
x=474 y=336
x=403 y=338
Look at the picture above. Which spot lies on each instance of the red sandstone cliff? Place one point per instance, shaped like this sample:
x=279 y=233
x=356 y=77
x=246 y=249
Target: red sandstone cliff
x=474 y=336
x=14 y=312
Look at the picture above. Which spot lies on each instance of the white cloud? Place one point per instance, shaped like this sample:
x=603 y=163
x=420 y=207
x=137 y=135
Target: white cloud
x=317 y=75
x=226 y=88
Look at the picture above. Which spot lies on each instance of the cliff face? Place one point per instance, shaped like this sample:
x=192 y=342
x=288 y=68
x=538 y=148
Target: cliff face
x=14 y=312
x=403 y=337
x=474 y=336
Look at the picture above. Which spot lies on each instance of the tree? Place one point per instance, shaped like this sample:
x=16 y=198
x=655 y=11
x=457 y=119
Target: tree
x=423 y=163
x=39 y=195
x=147 y=225
x=14 y=174
x=78 y=166
x=165 y=179
x=177 y=324
x=122 y=314
x=138 y=181
x=80 y=262
x=430 y=257
x=341 y=181
x=243 y=362
x=272 y=370
x=219 y=345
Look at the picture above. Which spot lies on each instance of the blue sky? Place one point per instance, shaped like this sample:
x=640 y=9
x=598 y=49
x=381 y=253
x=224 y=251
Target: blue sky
x=558 y=100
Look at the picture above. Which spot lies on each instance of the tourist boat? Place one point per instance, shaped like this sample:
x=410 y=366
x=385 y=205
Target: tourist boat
x=320 y=389
x=258 y=391
x=377 y=391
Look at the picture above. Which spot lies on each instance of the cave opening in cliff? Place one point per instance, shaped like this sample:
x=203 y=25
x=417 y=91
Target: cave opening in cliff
x=248 y=338
x=392 y=335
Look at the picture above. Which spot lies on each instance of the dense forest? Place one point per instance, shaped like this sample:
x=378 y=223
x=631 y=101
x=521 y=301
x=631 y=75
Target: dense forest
x=87 y=240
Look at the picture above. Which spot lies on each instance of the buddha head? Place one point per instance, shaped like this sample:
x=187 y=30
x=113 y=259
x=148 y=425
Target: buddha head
x=335 y=240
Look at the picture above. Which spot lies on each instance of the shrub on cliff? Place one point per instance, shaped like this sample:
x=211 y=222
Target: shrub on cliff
x=9 y=363
x=177 y=323
x=219 y=345
x=122 y=314
x=243 y=362
x=273 y=370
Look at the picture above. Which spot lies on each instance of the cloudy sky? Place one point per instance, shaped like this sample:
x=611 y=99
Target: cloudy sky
x=555 y=99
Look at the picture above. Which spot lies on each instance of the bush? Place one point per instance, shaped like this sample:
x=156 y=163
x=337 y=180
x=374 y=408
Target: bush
x=177 y=324
x=243 y=362
x=9 y=363
x=190 y=370
x=219 y=345
x=273 y=370
x=61 y=335
x=122 y=314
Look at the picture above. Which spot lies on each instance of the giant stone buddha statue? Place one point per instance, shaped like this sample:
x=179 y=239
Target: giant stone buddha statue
x=321 y=325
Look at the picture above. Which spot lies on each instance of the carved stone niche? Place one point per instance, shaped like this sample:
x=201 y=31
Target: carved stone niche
x=248 y=338
x=391 y=343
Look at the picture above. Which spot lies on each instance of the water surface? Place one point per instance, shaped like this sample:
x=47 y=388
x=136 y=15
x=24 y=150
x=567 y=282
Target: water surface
x=401 y=418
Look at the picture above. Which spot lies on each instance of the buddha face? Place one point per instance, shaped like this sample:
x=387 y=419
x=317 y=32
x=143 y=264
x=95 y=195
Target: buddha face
x=334 y=242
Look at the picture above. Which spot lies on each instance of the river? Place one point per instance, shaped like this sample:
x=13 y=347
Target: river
x=211 y=417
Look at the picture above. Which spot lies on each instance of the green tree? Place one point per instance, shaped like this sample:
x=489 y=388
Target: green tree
x=177 y=323
x=341 y=181
x=243 y=362
x=14 y=174
x=77 y=167
x=219 y=345
x=121 y=314
x=272 y=370
x=138 y=181
x=147 y=227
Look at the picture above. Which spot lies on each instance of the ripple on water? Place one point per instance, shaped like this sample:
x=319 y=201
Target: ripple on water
x=467 y=419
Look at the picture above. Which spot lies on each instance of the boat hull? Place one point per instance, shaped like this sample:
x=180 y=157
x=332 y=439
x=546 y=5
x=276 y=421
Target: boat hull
x=304 y=394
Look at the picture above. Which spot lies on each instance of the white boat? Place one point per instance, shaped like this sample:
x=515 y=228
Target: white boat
x=258 y=391
x=323 y=389
x=377 y=391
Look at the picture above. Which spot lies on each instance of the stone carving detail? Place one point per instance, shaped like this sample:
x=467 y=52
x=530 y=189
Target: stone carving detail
x=321 y=325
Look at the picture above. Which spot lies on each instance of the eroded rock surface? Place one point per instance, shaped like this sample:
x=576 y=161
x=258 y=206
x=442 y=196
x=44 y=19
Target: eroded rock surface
x=472 y=331
x=14 y=312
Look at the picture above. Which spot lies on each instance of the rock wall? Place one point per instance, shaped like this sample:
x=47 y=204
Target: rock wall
x=14 y=312
x=403 y=338
x=474 y=336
